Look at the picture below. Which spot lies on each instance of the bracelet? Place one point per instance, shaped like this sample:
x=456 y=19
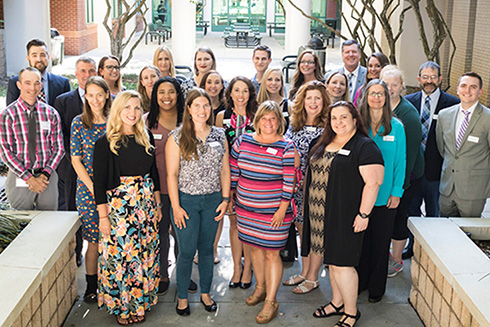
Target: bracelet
x=225 y=198
x=159 y=205
x=364 y=215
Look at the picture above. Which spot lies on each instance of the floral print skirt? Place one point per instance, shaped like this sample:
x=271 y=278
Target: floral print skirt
x=128 y=269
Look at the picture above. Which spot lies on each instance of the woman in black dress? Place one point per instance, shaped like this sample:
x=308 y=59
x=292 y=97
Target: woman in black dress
x=344 y=174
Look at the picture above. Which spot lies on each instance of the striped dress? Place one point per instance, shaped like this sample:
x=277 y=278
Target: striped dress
x=262 y=175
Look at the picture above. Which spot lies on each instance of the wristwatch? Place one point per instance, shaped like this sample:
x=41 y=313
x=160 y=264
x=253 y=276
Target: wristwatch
x=159 y=205
x=364 y=215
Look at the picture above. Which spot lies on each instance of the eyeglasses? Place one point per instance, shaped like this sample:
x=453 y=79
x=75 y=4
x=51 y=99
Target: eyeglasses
x=111 y=67
x=376 y=94
x=307 y=62
x=427 y=77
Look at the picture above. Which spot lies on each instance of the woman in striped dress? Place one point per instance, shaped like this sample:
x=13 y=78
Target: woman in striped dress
x=263 y=166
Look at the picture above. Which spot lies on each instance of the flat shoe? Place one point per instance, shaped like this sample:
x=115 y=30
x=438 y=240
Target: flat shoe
x=123 y=321
x=302 y=289
x=183 y=312
x=210 y=308
x=290 y=280
x=323 y=314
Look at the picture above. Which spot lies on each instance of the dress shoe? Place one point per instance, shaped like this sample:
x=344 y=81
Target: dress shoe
x=183 y=312
x=233 y=284
x=163 y=287
x=210 y=308
x=192 y=287
x=375 y=299
x=245 y=285
x=407 y=253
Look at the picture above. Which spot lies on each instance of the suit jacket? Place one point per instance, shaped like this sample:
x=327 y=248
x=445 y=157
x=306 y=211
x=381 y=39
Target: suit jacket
x=467 y=169
x=69 y=105
x=433 y=160
x=56 y=85
x=361 y=77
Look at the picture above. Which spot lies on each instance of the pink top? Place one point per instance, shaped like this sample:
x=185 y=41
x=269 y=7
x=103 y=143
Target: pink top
x=161 y=136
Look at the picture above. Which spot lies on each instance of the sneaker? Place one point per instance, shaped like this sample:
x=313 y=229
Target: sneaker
x=394 y=267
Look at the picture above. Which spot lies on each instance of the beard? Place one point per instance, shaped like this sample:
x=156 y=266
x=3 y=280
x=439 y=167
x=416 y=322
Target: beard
x=429 y=88
x=41 y=66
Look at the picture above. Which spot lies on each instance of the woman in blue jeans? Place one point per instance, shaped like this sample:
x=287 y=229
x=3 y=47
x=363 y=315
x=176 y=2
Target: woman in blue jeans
x=198 y=180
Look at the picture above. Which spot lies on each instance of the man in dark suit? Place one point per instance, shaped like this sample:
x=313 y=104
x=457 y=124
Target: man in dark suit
x=356 y=74
x=69 y=105
x=463 y=139
x=53 y=85
x=428 y=102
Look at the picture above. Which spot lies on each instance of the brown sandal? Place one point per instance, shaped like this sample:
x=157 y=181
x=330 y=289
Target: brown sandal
x=254 y=300
x=264 y=318
x=124 y=321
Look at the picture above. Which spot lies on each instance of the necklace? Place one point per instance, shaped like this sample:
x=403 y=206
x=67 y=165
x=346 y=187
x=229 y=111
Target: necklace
x=235 y=119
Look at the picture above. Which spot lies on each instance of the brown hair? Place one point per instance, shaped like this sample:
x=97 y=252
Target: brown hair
x=346 y=96
x=87 y=114
x=101 y=67
x=299 y=116
x=299 y=78
x=365 y=111
x=221 y=94
x=188 y=139
x=145 y=101
x=209 y=52
x=252 y=99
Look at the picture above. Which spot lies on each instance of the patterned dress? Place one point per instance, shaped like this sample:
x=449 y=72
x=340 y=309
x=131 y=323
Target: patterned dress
x=262 y=176
x=302 y=140
x=82 y=144
x=320 y=170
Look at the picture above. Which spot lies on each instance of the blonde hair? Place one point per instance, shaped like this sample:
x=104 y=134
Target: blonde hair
x=160 y=49
x=114 y=124
x=263 y=93
x=392 y=70
x=266 y=108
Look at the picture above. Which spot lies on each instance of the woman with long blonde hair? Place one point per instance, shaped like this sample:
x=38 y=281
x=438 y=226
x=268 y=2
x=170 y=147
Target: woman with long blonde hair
x=126 y=186
x=272 y=88
x=164 y=61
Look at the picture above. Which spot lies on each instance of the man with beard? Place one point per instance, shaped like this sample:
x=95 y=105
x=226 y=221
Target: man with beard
x=429 y=101
x=52 y=85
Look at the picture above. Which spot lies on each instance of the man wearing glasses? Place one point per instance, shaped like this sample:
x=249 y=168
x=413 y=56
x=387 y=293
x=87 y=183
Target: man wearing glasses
x=351 y=55
x=52 y=85
x=429 y=101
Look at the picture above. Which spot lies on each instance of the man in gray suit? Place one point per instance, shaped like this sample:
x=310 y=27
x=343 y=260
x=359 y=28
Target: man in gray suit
x=463 y=139
x=351 y=54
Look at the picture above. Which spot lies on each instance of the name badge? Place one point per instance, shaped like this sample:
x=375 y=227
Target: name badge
x=214 y=144
x=285 y=114
x=311 y=128
x=389 y=138
x=474 y=139
x=45 y=125
x=434 y=117
x=226 y=122
x=157 y=136
x=344 y=152
x=19 y=182
x=271 y=151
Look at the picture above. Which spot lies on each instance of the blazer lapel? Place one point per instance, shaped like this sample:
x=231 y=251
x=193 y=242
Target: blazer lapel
x=475 y=117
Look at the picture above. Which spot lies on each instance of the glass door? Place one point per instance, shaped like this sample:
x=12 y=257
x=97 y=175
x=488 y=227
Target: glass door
x=229 y=12
x=162 y=11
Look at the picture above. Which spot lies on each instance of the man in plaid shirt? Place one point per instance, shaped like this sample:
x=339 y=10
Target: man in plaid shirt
x=31 y=144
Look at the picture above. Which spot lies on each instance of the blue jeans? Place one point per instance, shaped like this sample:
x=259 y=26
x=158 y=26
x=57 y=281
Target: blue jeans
x=430 y=195
x=199 y=234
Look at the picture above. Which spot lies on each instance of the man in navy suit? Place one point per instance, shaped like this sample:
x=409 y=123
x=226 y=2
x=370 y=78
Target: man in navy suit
x=69 y=105
x=351 y=55
x=428 y=102
x=53 y=85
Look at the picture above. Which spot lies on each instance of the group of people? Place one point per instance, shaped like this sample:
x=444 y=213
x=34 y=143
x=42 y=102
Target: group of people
x=179 y=154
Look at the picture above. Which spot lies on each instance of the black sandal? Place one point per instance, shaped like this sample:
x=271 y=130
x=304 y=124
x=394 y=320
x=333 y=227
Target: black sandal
x=342 y=323
x=323 y=314
x=90 y=298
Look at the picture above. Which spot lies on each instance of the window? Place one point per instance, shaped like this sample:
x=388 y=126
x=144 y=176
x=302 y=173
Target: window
x=89 y=15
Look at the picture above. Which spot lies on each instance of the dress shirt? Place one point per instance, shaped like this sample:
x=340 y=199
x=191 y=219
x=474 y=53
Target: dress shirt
x=44 y=80
x=81 y=93
x=434 y=99
x=460 y=118
x=14 y=147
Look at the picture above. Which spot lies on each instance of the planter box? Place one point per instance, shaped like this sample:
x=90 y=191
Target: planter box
x=37 y=271
x=448 y=288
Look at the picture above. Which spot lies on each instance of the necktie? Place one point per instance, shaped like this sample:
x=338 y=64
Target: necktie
x=463 y=128
x=31 y=137
x=350 y=85
x=42 y=95
x=425 y=120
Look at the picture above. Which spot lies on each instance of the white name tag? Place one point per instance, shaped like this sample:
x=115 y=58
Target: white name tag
x=19 y=182
x=344 y=152
x=474 y=139
x=389 y=138
x=271 y=151
x=226 y=122
x=45 y=125
x=311 y=128
x=285 y=114
x=157 y=136
x=214 y=144
x=434 y=117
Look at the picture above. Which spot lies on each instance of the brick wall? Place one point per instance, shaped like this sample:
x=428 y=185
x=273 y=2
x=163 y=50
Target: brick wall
x=68 y=17
x=468 y=21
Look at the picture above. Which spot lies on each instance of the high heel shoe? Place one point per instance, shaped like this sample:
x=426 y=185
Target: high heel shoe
x=264 y=318
x=254 y=300
x=183 y=312
x=233 y=284
x=246 y=285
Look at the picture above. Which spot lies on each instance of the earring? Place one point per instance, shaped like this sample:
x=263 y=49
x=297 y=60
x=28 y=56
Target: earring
x=190 y=117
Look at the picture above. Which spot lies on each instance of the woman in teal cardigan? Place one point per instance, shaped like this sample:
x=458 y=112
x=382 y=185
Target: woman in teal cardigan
x=389 y=135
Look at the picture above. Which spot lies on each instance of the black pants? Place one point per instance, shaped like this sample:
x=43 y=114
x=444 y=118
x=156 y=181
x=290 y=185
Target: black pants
x=164 y=228
x=373 y=265
x=400 y=230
